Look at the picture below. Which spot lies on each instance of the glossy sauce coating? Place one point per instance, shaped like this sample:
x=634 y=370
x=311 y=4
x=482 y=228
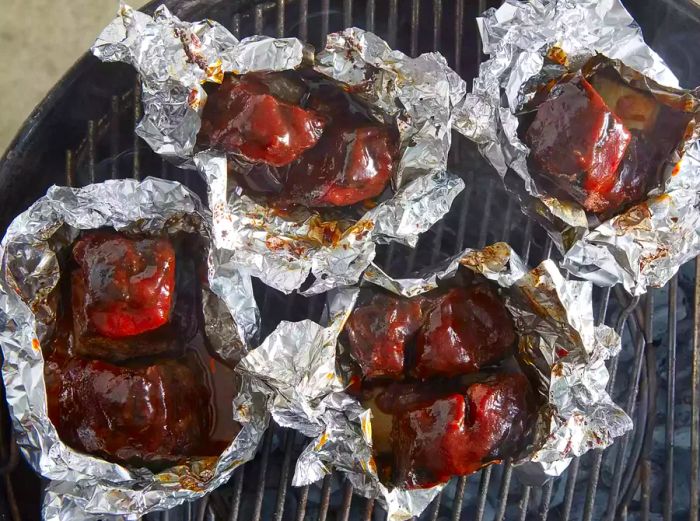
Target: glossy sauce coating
x=449 y=429
x=111 y=396
x=242 y=116
x=378 y=332
x=156 y=413
x=128 y=284
x=352 y=158
x=577 y=140
x=468 y=329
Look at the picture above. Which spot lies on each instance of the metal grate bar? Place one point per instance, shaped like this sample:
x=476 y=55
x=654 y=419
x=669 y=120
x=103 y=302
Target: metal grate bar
x=459 y=498
x=393 y=19
x=325 y=497
x=114 y=134
x=344 y=513
x=258 y=17
x=284 y=475
x=347 y=13
x=631 y=401
x=70 y=169
x=369 y=508
x=280 y=18
x=91 y=150
x=695 y=406
x=459 y=33
x=237 y=493
x=370 y=15
x=303 y=19
x=262 y=474
x=483 y=492
x=503 y=492
x=236 y=25
x=415 y=20
x=483 y=230
x=437 y=22
x=303 y=499
x=524 y=502
x=325 y=9
x=136 y=164
x=670 y=396
x=546 y=499
x=570 y=488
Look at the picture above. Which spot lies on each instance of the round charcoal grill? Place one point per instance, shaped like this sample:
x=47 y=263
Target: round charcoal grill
x=83 y=133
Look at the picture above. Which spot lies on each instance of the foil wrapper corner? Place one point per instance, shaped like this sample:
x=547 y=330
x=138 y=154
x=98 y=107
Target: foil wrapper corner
x=174 y=58
x=83 y=486
x=521 y=38
x=553 y=317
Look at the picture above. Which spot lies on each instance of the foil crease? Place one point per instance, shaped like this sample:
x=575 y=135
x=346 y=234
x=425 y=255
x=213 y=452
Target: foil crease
x=83 y=486
x=553 y=317
x=174 y=59
x=519 y=36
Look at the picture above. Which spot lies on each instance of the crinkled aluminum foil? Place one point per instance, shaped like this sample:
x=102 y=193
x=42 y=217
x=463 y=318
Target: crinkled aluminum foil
x=644 y=246
x=82 y=486
x=174 y=58
x=557 y=337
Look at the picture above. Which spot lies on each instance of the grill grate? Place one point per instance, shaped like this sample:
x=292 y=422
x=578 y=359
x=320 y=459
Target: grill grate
x=611 y=484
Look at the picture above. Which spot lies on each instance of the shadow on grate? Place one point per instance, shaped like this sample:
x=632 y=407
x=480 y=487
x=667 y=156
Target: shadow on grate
x=656 y=377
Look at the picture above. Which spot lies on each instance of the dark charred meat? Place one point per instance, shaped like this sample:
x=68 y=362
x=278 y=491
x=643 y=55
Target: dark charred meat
x=459 y=433
x=130 y=415
x=578 y=142
x=603 y=139
x=128 y=346
x=378 y=332
x=122 y=295
x=242 y=116
x=468 y=329
x=331 y=152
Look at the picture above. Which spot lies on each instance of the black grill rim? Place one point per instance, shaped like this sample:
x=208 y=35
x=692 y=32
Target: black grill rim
x=631 y=471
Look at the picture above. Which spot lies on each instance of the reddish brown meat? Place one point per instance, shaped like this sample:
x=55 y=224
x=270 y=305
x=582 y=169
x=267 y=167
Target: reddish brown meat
x=241 y=116
x=122 y=295
x=469 y=328
x=378 y=332
x=358 y=165
x=129 y=415
x=578 y=143
x=462 y=431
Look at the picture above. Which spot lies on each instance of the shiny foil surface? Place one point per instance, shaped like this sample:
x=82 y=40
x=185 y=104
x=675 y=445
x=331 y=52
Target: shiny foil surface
x=639 y=248
x=297 y=366
x=174 y=58
x=83 y=486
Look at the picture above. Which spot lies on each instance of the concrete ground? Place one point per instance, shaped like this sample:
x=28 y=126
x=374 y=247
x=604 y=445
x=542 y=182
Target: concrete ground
x=39 y=41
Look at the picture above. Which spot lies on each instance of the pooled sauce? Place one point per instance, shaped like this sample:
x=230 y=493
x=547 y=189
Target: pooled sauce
x=120 y=400
x=347 y=155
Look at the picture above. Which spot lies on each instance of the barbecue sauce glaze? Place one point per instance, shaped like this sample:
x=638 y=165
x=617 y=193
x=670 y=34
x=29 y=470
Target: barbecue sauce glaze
x=600 y=142
x=294 y=138
x=432 y=372
x=130 y=377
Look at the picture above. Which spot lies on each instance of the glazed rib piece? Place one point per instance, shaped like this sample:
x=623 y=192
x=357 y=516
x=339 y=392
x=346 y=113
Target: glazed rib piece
x=442 y=333
x=298 y=139
x=122 y=295
x=425 y=434
x=466 y=330
x=378 y=332
x=579 y=143
x=242 y=116
x=133 y=415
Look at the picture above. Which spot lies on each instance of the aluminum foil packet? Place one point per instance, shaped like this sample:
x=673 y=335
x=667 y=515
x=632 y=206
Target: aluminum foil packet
x=174 y=59
x=83 y=486
x=531 y=43
x=298 y=365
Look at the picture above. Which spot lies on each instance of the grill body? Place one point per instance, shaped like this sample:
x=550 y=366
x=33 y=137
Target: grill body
x=83 y=132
